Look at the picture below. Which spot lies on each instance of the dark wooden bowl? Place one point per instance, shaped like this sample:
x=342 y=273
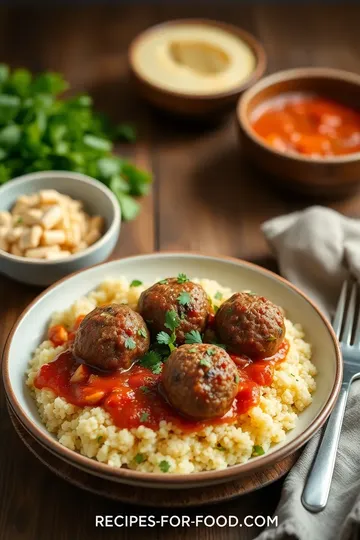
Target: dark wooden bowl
x=329 y=177
x=194 y=105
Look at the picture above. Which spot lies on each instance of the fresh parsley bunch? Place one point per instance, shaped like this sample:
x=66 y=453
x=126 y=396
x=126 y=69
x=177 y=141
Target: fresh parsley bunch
x=40 y=131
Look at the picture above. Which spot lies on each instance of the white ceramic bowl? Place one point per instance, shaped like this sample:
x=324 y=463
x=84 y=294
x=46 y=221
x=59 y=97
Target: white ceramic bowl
x=97 y=198
x=31 y=327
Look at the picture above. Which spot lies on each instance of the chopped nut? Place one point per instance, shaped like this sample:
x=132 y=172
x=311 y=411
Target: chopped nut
x=55 y=236
x=92 y=237
x=32 y=216
x=54 y=255
x=50 y=196
x=15 y=250
x=52 y=217
x=41 y=252
x=80 y=375
x=14 y=234
x=5 y=219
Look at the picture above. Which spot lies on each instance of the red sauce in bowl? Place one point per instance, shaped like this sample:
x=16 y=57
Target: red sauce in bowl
x=134 y=397
x=309 y=125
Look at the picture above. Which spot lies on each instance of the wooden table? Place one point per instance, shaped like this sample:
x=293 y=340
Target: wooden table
x=205 y=198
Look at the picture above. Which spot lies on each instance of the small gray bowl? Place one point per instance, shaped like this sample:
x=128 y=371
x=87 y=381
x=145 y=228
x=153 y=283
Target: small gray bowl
x=97 y=199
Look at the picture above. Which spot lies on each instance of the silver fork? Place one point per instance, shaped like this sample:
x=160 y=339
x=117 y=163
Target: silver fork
x=347 y=329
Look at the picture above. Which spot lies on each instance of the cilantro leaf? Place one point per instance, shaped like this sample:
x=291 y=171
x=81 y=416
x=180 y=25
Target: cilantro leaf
x=184 y=298
x=144 y=417
x=136 y=283
x=39 y=129
x=218 y=295
x=205 y=362
x=130 y=343
x=171 y=320
x=139 y=458
x=182 y=278
x=163 y=338
x=163 y=282
x=164 y=466
x=258 y=451
x=193 y=337
x=142 y=332
x=152 y=360
x=271 y=338
x=145 y=389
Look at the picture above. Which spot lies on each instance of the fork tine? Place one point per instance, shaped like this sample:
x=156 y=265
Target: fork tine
x=350 y=317
x=339 y=315
x=357 y=329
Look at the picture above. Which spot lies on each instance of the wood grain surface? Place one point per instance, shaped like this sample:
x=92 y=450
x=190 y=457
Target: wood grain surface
x=205 y=197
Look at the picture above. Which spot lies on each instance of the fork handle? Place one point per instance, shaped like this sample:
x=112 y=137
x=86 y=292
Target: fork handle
x=317 y=487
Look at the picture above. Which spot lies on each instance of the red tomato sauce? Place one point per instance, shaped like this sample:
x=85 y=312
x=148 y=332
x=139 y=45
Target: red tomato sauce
x=134 y=397
x=310 y=125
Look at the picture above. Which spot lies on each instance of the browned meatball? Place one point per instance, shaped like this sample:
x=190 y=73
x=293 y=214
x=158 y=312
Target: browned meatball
x=111 y=337
x=200 y=381
x=250 y=325
x=188 y=300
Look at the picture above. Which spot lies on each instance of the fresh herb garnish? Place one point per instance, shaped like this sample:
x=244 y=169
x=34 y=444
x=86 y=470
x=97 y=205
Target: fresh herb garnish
x=164 y=466
x=163 y=281
x=19 y=220
x=144 y=417
x=142 y=332
x=171 y=320
x=41 y=131
x=193 y=336
x=221 y=345
x=258 y=451
x=205 y=362
x=130 y=343
x=184 y=298
x=152 y=360
x=100 y=438
x=163 y=338
x=182 y=278
x=219 y=447
x=139 y=458
x=218 y=295
x=211 y=352
x=236 y=378
x=145 y=389
x=193 y=350
x=136 y=283
x=271 y=338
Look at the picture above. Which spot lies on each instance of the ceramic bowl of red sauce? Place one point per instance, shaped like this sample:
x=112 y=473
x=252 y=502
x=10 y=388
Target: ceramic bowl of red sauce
x=302 y=126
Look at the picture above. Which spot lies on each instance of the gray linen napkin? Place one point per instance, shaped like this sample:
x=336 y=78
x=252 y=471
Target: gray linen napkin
x=316 y=249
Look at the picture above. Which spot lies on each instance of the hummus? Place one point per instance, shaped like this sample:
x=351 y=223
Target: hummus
x=196 y=59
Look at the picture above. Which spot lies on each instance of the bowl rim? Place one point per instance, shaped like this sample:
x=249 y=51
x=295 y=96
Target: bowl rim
x=124 y=475
x=77 y=177
x=287 y=75
x=251 y=41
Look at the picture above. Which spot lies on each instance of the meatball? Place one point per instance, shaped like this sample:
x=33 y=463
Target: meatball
x=250 y=325
x=111 y=337
x=200 y=381
x=187 y=299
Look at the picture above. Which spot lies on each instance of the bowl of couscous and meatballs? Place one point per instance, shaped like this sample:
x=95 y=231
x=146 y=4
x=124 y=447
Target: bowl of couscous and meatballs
x=174 y=370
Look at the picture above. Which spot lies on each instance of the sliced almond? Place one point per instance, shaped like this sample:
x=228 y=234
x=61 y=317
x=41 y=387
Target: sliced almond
x=80 y=375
